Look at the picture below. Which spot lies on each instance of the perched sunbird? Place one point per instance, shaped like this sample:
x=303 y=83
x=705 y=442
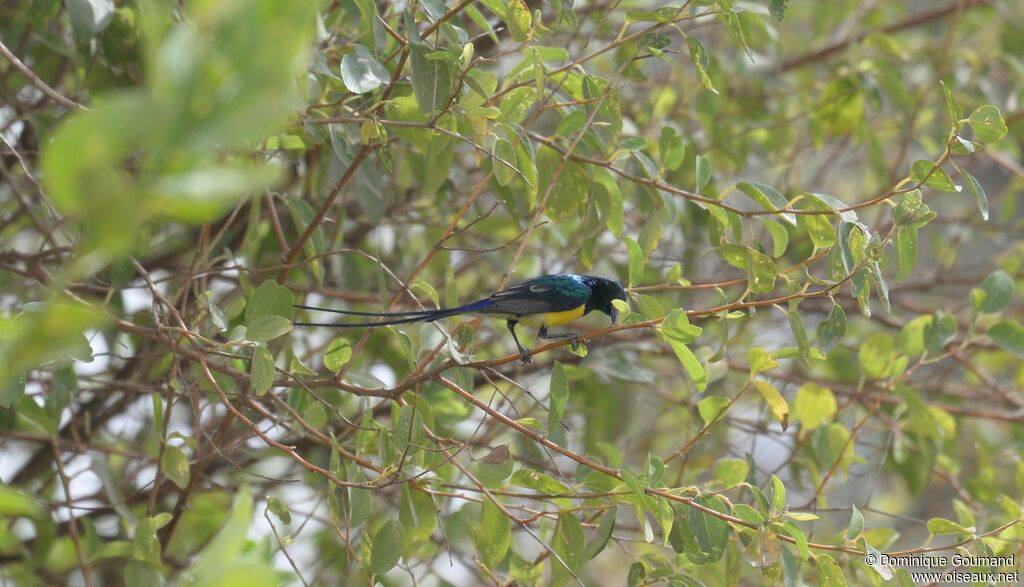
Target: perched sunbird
x=548 y=300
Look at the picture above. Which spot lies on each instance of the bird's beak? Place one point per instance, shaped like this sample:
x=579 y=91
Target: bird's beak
x=614 y=315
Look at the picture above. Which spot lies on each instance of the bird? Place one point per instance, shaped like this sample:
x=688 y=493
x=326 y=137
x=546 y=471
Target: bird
x=541 y=302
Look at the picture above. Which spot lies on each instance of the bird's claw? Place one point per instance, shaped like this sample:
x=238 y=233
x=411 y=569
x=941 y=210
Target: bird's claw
x=575 y=341
x=524 y=356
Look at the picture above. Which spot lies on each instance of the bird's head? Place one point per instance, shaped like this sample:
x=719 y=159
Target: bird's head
x=602 y=292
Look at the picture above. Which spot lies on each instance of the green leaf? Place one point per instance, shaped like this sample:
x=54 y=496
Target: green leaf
x=42 y=11
x=279 y=510
x=495 y=467
x=777 y=495
x=418 y=515
x=558 y=396
x=406 y=109
x=572 y=188
x=691 y=364
x=636 y=261
x=829 y=573
x=492 y=535
x=267 y=328
x=731 y=472
x=145 y=546
x=933 y=177
x=777 y=8
x=768 y=198
x=710 y=408
x=569 y=542
x=760 y=361
x=655 y=470
x=433 y=8
x=89 y=17
x=874 y=273
x=912 y=211
x=518 y=20
x=780 y=237
x=388 y=545
x=798 y=535
x=633 y=143
x=677 y=326
x=988 y=124
x=174 y=465
x=671 y=148
x=761 y=272
x=877 y=354
x=775 y=401
x=62 y=390
x=262 y=371
x=12 y=391
x=530 y=423
x=360 y=505
x=963 y=511
x=952 y=104
x=339 y=352
x=504 y=160
x=315 y=416
x=942 y=527
x=963 y=147
x=663 y=14
x=609 y=199
x=216 y=315
x=227 y=546
x=813 y=406
x=735 y=255
x=911 y=337
x=796 y=324
x=536 y=480
x=368 y=16
x=15 y=503
x=361 y=72
x=939 y=332
x=801 y=516
x=818 y=226
x=856 y=525
x=600 y=538
x=423 y=288
x=998 y=288
x=431 y=79
x=1009 y=336
x=710 y=533
x=747 y=513
x=649 y=307
x=979 y=193
x=831 y=330
x=701 y=63
x=139 y=573
x=906 y=252
x=703 y=173
x=828 y=443
x=269 y=299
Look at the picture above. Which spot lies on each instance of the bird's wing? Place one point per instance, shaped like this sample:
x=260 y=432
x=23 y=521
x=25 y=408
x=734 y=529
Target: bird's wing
x=550 y=293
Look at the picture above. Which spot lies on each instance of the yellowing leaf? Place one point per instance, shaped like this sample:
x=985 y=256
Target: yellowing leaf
x=777 y=403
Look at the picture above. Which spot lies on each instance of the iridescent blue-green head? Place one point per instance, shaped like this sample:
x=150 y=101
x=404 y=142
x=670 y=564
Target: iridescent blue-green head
x=602 y=292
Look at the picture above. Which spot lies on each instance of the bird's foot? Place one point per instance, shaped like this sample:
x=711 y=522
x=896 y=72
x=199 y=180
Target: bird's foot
x=575 y=342
x=524 y=356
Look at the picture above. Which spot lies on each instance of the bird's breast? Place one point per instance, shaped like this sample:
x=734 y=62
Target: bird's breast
x=551 y=318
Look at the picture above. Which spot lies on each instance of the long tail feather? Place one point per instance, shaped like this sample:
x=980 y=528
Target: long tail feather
x=396 y=317
x=373 y=324
x=354 y=313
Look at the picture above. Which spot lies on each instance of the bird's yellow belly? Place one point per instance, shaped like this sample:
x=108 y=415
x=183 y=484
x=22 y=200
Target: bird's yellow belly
x=551 y=318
